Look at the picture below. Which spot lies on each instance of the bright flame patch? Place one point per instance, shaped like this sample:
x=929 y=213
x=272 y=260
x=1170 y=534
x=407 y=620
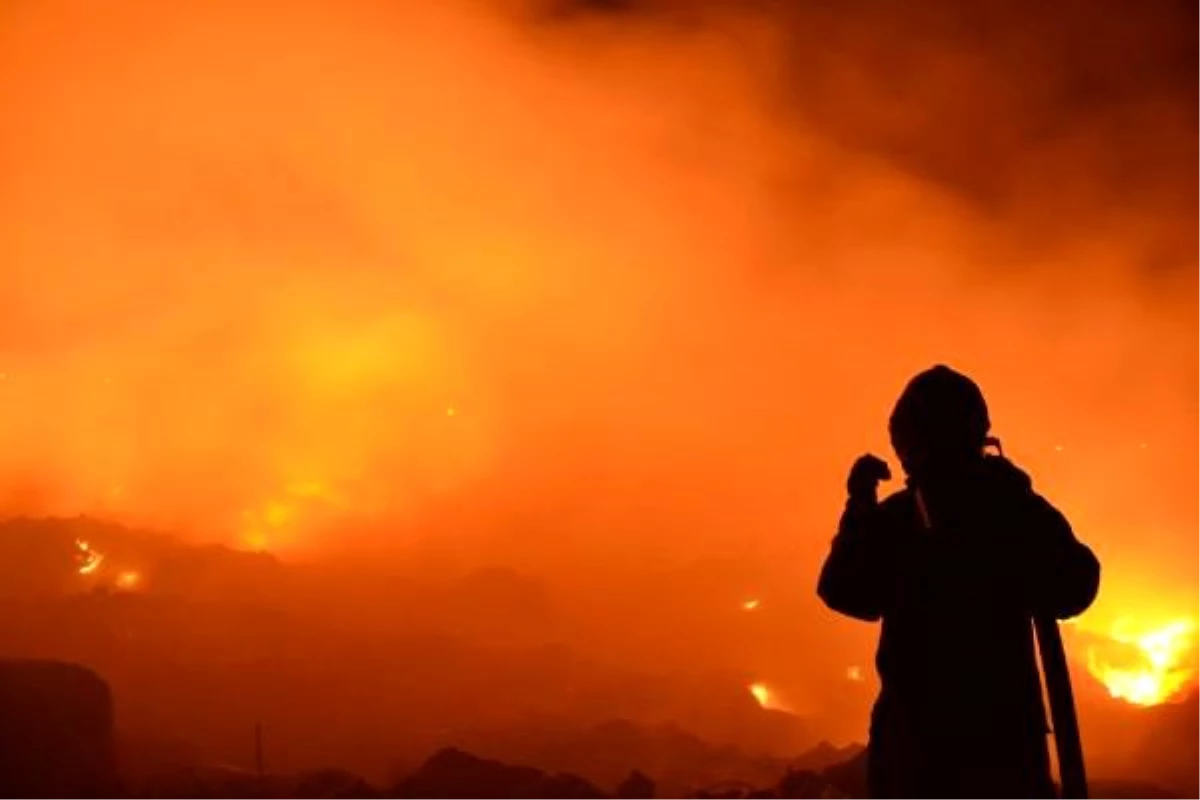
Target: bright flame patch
x=767 y=697
x=761 y=693
x=1145 y=665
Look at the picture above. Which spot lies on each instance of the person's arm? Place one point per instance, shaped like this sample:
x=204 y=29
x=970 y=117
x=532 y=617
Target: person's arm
x=1063 y=574
x=854 y=576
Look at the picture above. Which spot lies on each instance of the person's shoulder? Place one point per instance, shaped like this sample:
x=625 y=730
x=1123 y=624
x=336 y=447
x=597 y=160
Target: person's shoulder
x=1015 y=486
x=898 y=511
x=897 y=504
x=1006 y=476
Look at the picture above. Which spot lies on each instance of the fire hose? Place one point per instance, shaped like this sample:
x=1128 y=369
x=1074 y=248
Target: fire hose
x=1063 y=721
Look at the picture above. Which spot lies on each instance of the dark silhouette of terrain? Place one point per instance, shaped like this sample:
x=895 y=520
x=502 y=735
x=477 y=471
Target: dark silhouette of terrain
x=675 y=758
x=452 y=773
x=193 y=665
x=319 y=653
x=56 y=731
x=57 y=727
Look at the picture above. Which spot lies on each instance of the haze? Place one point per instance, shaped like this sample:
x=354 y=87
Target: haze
x=607 y=293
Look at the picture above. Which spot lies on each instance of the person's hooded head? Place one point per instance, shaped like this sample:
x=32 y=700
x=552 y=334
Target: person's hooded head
x=939 y=424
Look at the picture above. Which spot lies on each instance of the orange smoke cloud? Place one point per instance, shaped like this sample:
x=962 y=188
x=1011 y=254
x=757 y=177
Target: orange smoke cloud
x=582 y=291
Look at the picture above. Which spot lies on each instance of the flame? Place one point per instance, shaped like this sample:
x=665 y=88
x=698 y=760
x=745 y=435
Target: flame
x=1153 y=664
x=89 y=559
x=766 y=697
x=854 y=673
x=750 y=605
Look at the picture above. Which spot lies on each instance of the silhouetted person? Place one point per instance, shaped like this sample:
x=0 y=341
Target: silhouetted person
x=955 y=565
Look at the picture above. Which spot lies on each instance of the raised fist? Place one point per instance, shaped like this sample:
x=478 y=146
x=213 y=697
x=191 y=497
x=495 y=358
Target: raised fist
x=865 y=475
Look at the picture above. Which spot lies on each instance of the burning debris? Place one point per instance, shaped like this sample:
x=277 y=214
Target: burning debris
x=94 y=564
x=87 y=559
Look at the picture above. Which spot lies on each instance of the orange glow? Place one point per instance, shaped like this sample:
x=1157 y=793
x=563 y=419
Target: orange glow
x=280 y=522
x=604 y=299
x=128 y=580
x=855 y=673
x=276 y=513
x=1145 y=664
x=255 y=541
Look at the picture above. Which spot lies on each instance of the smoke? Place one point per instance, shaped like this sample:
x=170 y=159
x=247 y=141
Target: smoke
x=595 y=288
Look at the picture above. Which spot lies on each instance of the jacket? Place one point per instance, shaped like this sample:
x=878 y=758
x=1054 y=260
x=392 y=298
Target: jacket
x=960 y=710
